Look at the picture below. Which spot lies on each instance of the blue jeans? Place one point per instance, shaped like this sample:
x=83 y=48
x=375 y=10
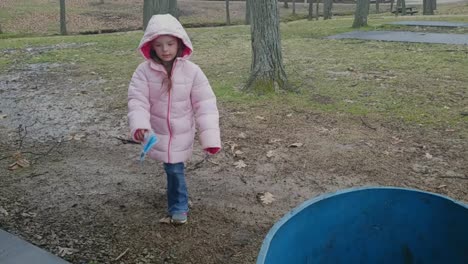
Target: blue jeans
x=177 y=195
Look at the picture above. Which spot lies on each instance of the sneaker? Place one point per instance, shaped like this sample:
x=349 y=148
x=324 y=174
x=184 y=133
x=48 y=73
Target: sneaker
x=179 y=218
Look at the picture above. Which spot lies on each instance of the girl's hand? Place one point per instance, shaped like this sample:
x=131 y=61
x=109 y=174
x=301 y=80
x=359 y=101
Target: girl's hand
x=212 y=151
x=140 y=134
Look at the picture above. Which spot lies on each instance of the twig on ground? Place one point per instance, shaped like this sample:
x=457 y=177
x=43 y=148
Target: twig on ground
x=367 y=125
x=127 y=141
x=22 y=131
x=454 y=177
x=36 y=174
x=41 y=155
x=121 y=255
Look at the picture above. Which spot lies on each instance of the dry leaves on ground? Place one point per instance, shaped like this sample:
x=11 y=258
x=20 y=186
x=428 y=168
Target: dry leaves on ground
x=240 y=164
x=265 y=197
x=296 y=145
x=20 y=162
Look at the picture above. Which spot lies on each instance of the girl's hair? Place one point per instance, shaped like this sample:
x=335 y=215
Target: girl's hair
x=154 y=56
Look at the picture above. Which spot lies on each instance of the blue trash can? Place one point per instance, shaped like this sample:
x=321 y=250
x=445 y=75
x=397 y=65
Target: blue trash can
x=371 y=225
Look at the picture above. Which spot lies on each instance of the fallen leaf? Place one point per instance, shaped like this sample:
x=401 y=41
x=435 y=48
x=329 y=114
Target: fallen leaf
x=233 y=146
x=441 y=186
x=242 y=135
x=396 y=140
x=79 y=136
x=3 y=211
x=428 y=156
x=289 y=115
x=274 y=140
x=238 y=152
x=270 y=153
x=240 y=164
x=165 y=220
x=265 y=197
x=29 y=214
x=296 y=145
x=260 y=117
x=19 y=163
x=63 y=251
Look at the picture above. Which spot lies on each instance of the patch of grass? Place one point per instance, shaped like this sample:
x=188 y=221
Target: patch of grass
x=416 y=83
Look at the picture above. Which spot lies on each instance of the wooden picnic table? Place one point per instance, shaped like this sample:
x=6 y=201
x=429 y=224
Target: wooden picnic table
x=409 y=10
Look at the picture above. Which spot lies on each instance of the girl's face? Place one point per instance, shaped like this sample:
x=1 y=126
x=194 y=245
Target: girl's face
x=166 y=47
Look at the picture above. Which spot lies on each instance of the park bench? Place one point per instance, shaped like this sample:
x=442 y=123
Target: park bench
x=409 y=10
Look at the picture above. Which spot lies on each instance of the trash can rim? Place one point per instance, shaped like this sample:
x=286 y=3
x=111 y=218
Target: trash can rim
x=266 y=242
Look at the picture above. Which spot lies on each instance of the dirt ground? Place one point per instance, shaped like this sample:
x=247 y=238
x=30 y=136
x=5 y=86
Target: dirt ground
x=86 y=198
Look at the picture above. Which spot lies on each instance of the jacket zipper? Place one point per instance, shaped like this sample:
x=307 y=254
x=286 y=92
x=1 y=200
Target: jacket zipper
x=169 y=117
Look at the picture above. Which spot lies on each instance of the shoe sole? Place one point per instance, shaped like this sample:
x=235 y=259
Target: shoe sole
x=176 y=222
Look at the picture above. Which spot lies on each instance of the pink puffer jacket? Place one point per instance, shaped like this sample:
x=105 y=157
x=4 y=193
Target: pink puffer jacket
x=172 y=113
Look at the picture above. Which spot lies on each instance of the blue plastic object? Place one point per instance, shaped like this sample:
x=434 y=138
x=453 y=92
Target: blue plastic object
x=371 y=225
x=149 y=142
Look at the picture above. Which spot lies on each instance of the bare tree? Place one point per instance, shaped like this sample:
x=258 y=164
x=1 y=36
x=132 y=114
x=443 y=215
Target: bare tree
x=63 y=22
x=294 y=7
x=361 y=13
x=285 y=2
x=267 y=70
x=428 y=7
x=154 y=7
x=228 y=17
x=327 y=9
x=400 y=7
x=317 y=9
x=311 y=10
x=247 y=12
x=377 y=6
x=391 y=5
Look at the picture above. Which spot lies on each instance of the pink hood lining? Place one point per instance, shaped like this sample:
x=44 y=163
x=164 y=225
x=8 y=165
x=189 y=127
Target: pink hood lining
x=146 y=48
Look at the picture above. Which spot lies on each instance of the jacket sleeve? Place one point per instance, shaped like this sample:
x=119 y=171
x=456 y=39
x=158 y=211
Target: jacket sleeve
x=206 y=111
x=138 y=102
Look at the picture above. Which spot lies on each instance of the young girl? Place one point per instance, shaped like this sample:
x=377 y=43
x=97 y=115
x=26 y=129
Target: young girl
x=167 y=94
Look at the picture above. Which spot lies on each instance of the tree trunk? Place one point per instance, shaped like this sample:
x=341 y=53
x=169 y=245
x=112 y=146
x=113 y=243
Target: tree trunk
x=1 y=32
x=63 y=21
x=285 y=3
x=391 y=5
x=155 y=7
x=327 y=9
x=267 y=70
x=228 y=17
x=173 y=8
x=361 y=13
x=377 y=7
x=311 y=10
x=403 y=7
x=317 y=9
x=247 y=12
x=294 y=7
x=434 y=5
x=427 y=7
x=398 y=7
